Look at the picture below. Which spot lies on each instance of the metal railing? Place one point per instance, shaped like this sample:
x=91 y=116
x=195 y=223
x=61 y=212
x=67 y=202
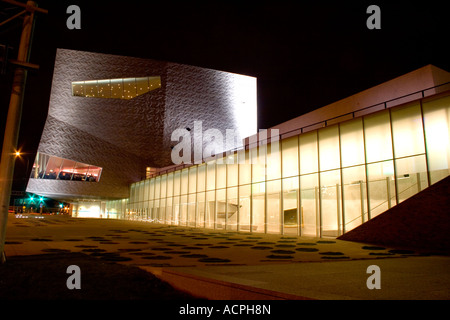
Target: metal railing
x=314 y=126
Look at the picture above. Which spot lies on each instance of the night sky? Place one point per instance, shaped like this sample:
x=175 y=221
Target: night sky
x=304 y=54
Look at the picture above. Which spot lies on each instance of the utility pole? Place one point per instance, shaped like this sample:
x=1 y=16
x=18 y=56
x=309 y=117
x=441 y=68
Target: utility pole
x=14 y=115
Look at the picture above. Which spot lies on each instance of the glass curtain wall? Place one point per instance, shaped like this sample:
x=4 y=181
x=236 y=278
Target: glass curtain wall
x=321 y=183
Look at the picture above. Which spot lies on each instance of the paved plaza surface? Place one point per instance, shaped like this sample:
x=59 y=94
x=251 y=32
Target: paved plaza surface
x=237 y=265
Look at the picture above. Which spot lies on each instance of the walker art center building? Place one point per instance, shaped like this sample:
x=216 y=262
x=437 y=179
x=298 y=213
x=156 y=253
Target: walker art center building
x=108 y=148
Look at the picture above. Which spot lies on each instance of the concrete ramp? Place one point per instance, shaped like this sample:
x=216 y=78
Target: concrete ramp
x=420 y=223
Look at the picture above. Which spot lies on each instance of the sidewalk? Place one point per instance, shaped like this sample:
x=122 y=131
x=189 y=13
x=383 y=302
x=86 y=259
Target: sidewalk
x=228 y=265
x=411 y=278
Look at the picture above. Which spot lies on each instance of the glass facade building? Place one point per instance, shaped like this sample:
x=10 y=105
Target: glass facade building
x=319 y=183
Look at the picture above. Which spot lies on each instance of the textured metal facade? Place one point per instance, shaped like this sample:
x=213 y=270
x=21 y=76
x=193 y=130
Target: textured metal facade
x=125 y=136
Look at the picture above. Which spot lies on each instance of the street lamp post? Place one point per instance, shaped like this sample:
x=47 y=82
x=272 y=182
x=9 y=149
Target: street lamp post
x=13 y=119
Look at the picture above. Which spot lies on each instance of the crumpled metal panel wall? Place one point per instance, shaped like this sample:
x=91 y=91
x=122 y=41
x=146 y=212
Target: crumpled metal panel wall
x=125 y=136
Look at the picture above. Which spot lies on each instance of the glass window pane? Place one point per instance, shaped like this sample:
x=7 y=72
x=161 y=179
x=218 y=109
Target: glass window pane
x=176 y=211
x=273 y=161
x=157 y=187
x=308 y=152
x=146 y=187
x=232 y=208
x=133 y=193
x=244 y=210
x=221 y=175
x=193 y=179
x=232 y=172
x=309 y=210
x=329 y=148
x=191 y=211
x=245 y=168
x=142 y=85
x=154 y=82
x=378 y=137
x=411 y=176
x=258 y=207
x=170 y=184
x=78 y=88
x=437 y=133
x=290 y=206
x=201 y=183
x=331 y=203
x=210 y=209
x=126 y=88
x=258 y=161
x=169 y=210
x=156 y=211
x=184 y=181
x=289 y=149
x=381 y=187
x=273 y=206
x=176 y=183
x=116 y=88
x=163 y=186
x=151 y=195
x=104 y=88
x=80 y=171
x=94 y=173
x=52 y=170
x=201 y=209
x=221 y=207
x=407 y=130
x=354 y=197
x=352 y=143
x=129 y=88
x=50 y=167
x=142 y=192
x=67 y=170
x=211 y=175
x=91 y=89
x=183 y=210
x=162 y=211
x=40 y=162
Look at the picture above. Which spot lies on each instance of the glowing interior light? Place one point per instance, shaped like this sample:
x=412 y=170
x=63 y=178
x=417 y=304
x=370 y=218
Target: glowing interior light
x=126 y=93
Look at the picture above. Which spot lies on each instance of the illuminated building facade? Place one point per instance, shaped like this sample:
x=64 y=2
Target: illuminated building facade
x=323 y=174
x=107 y=147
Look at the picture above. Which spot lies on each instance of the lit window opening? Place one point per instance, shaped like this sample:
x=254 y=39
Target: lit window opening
x=123 y=88
x=55 y=168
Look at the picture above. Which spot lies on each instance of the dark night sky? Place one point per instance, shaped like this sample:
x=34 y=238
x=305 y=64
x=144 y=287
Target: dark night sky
x=304 y=55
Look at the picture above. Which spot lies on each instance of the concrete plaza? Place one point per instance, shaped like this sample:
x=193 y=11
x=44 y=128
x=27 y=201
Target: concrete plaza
x=221 y=265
